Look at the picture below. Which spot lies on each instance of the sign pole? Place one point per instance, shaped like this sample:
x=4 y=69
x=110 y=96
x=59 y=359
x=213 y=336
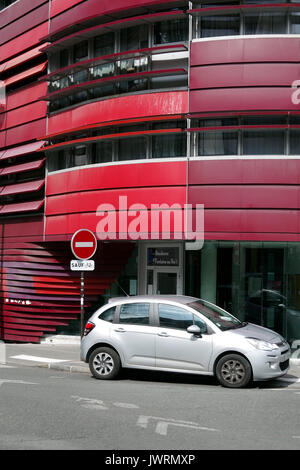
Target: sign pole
x=81 y=303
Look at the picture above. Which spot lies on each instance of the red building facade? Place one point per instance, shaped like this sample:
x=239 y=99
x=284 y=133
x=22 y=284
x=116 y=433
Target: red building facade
x=149 y=103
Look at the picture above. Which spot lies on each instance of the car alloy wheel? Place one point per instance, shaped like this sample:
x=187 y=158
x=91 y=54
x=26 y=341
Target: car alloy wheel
x=104 y=363
x=233 y=371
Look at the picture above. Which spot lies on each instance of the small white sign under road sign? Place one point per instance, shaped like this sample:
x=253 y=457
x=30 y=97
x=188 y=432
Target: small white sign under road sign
x=84 y=265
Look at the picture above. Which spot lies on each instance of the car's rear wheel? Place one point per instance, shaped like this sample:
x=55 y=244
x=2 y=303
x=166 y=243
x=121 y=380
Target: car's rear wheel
x=233 y=371
x=104 y=363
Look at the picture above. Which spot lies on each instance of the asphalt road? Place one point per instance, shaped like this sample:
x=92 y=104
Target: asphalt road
x=45 y=409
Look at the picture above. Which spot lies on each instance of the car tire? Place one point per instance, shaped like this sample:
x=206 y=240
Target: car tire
x=104 y=363
x=233 y=371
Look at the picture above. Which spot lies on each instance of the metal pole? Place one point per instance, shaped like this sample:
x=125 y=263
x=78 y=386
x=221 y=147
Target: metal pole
x=81 y=304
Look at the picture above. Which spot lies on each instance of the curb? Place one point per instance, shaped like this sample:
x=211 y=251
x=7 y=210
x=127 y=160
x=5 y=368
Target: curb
x=66 y=367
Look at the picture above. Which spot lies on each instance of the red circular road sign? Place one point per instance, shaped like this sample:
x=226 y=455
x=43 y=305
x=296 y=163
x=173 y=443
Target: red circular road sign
x=83 y=244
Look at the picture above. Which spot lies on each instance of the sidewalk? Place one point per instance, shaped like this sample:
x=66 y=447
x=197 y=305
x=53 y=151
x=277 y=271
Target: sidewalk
x=63 y=353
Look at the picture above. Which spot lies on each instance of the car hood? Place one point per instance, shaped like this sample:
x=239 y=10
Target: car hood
x=259 y=332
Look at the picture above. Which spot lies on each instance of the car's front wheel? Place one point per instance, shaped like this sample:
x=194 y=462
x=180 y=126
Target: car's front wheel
x=104 y=363
x=234 y=371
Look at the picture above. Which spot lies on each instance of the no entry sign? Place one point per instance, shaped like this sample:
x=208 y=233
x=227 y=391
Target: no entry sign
x=83 y=244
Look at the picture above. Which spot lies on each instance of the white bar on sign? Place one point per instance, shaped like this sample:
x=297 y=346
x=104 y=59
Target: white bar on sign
x=84 y=244
x=84 y=265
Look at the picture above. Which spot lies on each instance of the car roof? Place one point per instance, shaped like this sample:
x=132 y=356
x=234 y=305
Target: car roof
x=182 y=299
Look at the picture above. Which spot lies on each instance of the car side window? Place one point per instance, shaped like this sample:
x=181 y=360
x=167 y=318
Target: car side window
x=171 y=316
x=135 y=313
x=108 y=315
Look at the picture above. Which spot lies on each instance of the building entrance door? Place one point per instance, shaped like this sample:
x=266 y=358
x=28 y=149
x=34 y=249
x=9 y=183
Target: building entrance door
x=161 y=269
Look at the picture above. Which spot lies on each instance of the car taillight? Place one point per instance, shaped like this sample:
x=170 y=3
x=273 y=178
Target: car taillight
x=88 y=328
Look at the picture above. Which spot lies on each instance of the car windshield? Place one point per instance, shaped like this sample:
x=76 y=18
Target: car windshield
x=221 y=318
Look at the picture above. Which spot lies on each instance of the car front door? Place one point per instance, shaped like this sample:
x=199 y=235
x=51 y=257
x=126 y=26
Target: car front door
x=133 y=334
x=176 y=348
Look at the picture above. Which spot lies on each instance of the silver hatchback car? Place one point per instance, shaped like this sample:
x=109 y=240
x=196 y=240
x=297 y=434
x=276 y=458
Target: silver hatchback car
x=181 y=334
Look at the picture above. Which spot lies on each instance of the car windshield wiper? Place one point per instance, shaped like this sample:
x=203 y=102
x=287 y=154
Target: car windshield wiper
x=244 y=323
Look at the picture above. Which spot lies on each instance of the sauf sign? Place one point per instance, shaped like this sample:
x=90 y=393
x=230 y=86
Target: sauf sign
x=83 y=246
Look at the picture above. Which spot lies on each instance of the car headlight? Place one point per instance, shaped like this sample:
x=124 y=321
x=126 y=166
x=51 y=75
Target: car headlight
x=262 y=345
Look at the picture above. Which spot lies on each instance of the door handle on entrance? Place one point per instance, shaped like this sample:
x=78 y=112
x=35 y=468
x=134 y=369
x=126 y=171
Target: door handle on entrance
x=120 y=330
x=163 y=333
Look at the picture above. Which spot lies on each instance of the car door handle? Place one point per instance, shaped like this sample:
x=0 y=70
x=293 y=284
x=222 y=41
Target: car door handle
x=120 y=330
x=163 y=333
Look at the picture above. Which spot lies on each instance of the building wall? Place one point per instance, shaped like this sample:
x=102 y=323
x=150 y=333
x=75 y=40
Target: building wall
x=191 y=81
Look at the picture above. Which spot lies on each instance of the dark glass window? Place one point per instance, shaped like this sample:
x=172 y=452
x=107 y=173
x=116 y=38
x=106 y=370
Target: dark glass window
x=135 y=313
x=64 y=58
x=108 y=315
x=172 y=145
x=295 y=23
x=218 y=143
x=79 y=155
x=104 y=44
x=265 y=23
x=80 y=51
x=171 y=31
x=102 y=152
x=294 y=142
x=132 y=148
x=263 y=142
x=134 y=38
x=171 y=316
x=220 y=25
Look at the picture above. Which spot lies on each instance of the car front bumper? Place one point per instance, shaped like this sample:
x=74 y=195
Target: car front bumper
x=271 y=364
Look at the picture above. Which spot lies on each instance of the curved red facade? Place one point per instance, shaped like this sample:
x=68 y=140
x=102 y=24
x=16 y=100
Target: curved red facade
x=149 y=101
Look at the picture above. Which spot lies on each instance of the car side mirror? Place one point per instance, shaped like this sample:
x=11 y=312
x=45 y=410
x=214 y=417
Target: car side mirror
x=194 y=330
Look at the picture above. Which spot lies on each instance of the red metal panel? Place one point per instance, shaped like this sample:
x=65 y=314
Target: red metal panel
x=244 y=171
x=13 y=169
x=25 y=23
x=25 y=41
x=21 y=150
x=90 y=201
x=255 y=221
x=94 y=8
x=242 y=99
x=21 y=59
x=236 y=50
x=245 y=196
x=24 y=133
x=124 y=107
x=27 y=94
x=21 y=188
x=21 y=207
x=138 y=175
x=26 y=74
x=31 y=112
x=18 y=10
x=243 y=75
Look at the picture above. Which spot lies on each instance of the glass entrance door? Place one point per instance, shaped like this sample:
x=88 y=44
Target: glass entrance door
x=166 y=283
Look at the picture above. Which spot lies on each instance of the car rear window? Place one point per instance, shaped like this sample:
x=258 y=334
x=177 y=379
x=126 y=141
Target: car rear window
x=108 y=315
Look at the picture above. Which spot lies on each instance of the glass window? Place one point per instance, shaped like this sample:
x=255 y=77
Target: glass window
x=132 y=148
x=265 y=23
x=104 y=44
x=108 y=315
x=171 y=316
x=220 y=25
x=80 y=51
x=133 y=38
x=294 y=142
x=218 y=143
x=102 y=71
x=102 y=152
x=172 y=145
x=263 y=142
x=221 y=318
x=295 y=23
x=79 y=155
x=171 y=31
x=135 y=313
x=64 y=58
